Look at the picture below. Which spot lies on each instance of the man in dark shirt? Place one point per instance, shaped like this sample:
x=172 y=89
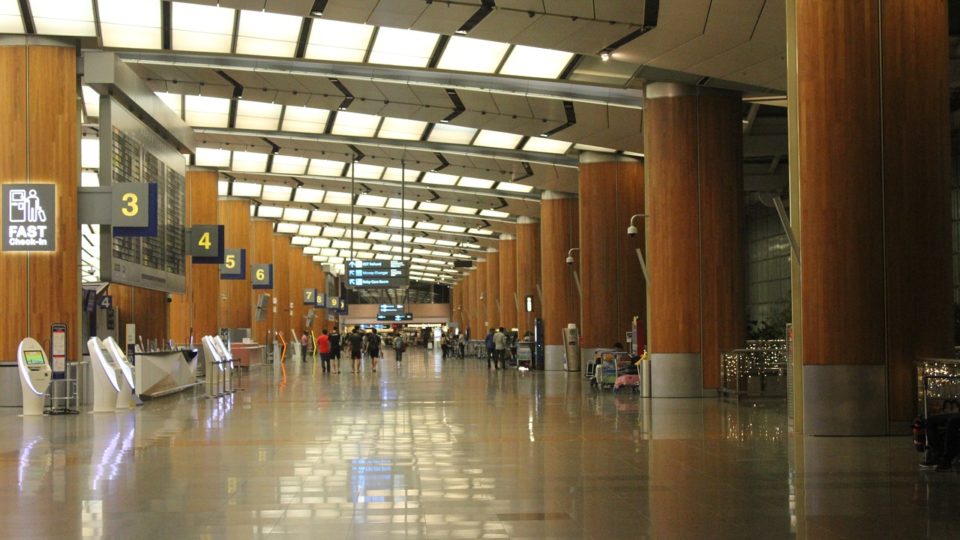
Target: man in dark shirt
x=335 y=350
x=356 y=348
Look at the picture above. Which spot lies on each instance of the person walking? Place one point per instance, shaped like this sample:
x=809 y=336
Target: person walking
x=398 y=346
x=335 y=350
x=500 y=349
x=373 y=348
x=491 y=347
x=304 y=345
x=323 y=347
x=356 y=348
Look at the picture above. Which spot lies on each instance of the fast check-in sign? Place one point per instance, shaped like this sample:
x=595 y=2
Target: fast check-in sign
x=29 y=217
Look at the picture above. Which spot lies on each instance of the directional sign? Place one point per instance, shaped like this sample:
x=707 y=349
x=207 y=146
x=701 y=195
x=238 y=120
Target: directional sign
x=134 y=209
x=321 y=301
x=29 y=217
x=309 y=297
x=205 y=244
x=363 y=274
x=262 y=276
x=234 y=264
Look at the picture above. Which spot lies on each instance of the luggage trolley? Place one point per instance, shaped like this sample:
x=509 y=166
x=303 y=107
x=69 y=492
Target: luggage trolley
x=616 y=370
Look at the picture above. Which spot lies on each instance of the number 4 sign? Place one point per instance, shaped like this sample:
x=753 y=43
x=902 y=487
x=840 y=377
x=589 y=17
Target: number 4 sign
x=205 y=244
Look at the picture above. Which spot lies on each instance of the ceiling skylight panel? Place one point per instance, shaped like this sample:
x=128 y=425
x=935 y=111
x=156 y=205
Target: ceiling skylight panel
x=478 y=183
x=517 y=188
x=305 y=119
x=544 y=144
x=453 y=228
x=130 y=24
x=366 y=171
x=464 y=210
x=296 y=214
x=89 y=153
x=355 y=124
x=379 y=236
x=287 y=228
x=246 y=189
x=223 y=188
x=300 y=241
x=212 y=157
x=494 y=214
x=321 y=216
x=249 y=161
x=262 y=33
x=497 y=139
x=289 y=164
x=383 y=257
x=204 y=111
x=469 y=54
x=447 y=133
x=481 y=232
x=338 y=41
x=277 y=193
x=333 y=232
x=310 y=230
x=173 y=101
x=201 y=28
x=394 y=203
x=446 y=243
x=396 y=47
x=425 y=240
x=325 y=167
x=258 y=115
x=320 y=242
x=375 y=221
x=440 y=179
x=401 y=128
x=63 y=17
x=89 y=179
x=329 y=252
x=535 y=62
x=305 y=195
x=311 y=251
x=397 y=223
x=272 y=212
x=432 y=207
x=427 y=226
x=337 y=197
x=371 y=201
x=91 y=99
x=345 y=218
x=10 y=20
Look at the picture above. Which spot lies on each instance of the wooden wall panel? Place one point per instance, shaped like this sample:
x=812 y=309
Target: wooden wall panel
x=283 y=285
x=261 y=249
x=468 y=303
x=480 y=309
x=143 y=307
x=493 y=290
x=235 y=295
x=197 y=308
x=528 y=273
x=558 y=233
x=614 y=290
x=38 y=109
x=508 y=284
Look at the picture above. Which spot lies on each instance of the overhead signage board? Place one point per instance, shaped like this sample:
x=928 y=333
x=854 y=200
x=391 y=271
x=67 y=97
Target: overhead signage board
x=368 y=274
x=262 y=276
x=309 y=297
x=395 y=317
x=205 y=244
x=29 y=217
x=234 y=264
x=390 y=309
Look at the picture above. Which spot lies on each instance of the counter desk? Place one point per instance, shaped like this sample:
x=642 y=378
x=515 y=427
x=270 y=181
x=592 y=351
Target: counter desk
x=165 y=372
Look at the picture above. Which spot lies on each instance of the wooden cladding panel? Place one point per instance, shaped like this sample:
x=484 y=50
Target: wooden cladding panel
x=468 y=303
x=284 y=284
x=38 y=109
x=261 y=249
x=493 y=289
x=197 y=308
x=509 y=310
x=143 y=307
x=528 y=273
x=614 y=290
x=558 y=233
x=673 y=238
x=235 y=295
x=480 y=309
x=721 y=231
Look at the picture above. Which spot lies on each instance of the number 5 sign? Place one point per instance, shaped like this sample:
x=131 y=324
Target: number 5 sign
x=262 y=276
x=234 y=264
x=205 y=244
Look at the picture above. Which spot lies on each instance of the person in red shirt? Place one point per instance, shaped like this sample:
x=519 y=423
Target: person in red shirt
x=323 y=347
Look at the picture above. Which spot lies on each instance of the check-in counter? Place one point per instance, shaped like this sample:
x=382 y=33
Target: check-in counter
x=165 y=372
x=247 y=354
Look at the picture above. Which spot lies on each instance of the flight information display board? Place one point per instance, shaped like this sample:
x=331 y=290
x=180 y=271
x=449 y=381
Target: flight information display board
x=369 y=274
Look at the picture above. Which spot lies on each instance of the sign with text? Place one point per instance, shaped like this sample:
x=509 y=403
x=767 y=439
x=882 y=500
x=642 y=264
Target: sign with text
x=29 y=217
x=261 y=276
x=309 y=297
x=333 y=302
x=234 y=264
x=321 y=301
x=368 y=274
x=130 y=205
x=205 y=244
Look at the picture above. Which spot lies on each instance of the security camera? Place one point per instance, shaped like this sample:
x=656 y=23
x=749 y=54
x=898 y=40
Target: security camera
x=633 y=230
x=570 y=261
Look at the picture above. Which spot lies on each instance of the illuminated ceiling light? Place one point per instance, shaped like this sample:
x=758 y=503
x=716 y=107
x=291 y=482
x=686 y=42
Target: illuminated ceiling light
x=338 y=41
x=250 y=162
x=379 y=237
x=494 y=214
x=396 y=47
x=482 y=232
x=10 y=20
x=311 y=251
x=325 y=167
x=321 y=216
x=549 y=146
x=63 y=17
x=130 y=24
x=375 y=221
x=91 y=99
x=307 y=195
x=400 y=128
x=432 y=207
x=223 y=188
x=478 y=183
x=305 y=119
x=466 y=211
x=453 y=228
x=205 y=111
x=276 y=193
x=356 y=124
x=605 y=55
x=289 y=164
x=497 y=139
x=338 y=198
x=173 y=101
x=486 y=7
x=310 y=230
x=536 y=62
x=365 y=171
x=440 y=179
x=371 y=201
x=427 y=226
x=263 y=33
x=300 y=241
x=516 y=188
x=333 y=232
x=258 y=115
x=272 y=212
x=296 y=214
x=246 y=189
x=474 y=55
x=446 y=133
x=394 y=203
x=320 y=242
x=345 y=218
x=287 y=228
x=89 y=153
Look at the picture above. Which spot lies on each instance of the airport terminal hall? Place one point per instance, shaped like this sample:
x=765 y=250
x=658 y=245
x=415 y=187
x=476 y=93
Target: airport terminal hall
x=454 y=269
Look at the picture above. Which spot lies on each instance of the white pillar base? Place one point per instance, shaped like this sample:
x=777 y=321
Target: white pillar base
x=676 y=375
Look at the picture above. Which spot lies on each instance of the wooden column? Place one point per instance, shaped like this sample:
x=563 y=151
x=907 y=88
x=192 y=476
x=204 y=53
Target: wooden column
x=561 y=302
x=40 y=133
x=235 y=295
x=480 y=309
x=693 y=143
x=872 y=143
x=261 y=252
x=284 y=285
x=508 y=282
x=142 y=307
x=614 y=290
x=493 y=288
x=196 y=309
x=468 y=303
x=528 y=271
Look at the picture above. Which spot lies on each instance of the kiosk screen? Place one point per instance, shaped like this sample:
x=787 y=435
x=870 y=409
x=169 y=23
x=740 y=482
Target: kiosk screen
x=34 y=358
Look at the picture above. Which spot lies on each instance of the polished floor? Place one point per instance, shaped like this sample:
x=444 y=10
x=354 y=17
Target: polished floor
x=448 y=449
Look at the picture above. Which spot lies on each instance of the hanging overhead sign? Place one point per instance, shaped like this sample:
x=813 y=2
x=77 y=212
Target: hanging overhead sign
x=368 y=274
x=29 y=217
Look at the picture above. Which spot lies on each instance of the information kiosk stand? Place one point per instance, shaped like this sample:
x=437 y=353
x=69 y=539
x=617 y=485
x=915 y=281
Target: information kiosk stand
x=125 y=399
x=106 y=384
x=35 y=376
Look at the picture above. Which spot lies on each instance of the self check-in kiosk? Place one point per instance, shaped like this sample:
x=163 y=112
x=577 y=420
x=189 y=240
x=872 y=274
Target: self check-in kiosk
x=35 y=374
x=106 y=379
x=125 y=399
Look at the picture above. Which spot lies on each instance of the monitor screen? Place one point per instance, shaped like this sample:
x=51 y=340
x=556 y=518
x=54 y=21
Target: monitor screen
x=34 y=358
